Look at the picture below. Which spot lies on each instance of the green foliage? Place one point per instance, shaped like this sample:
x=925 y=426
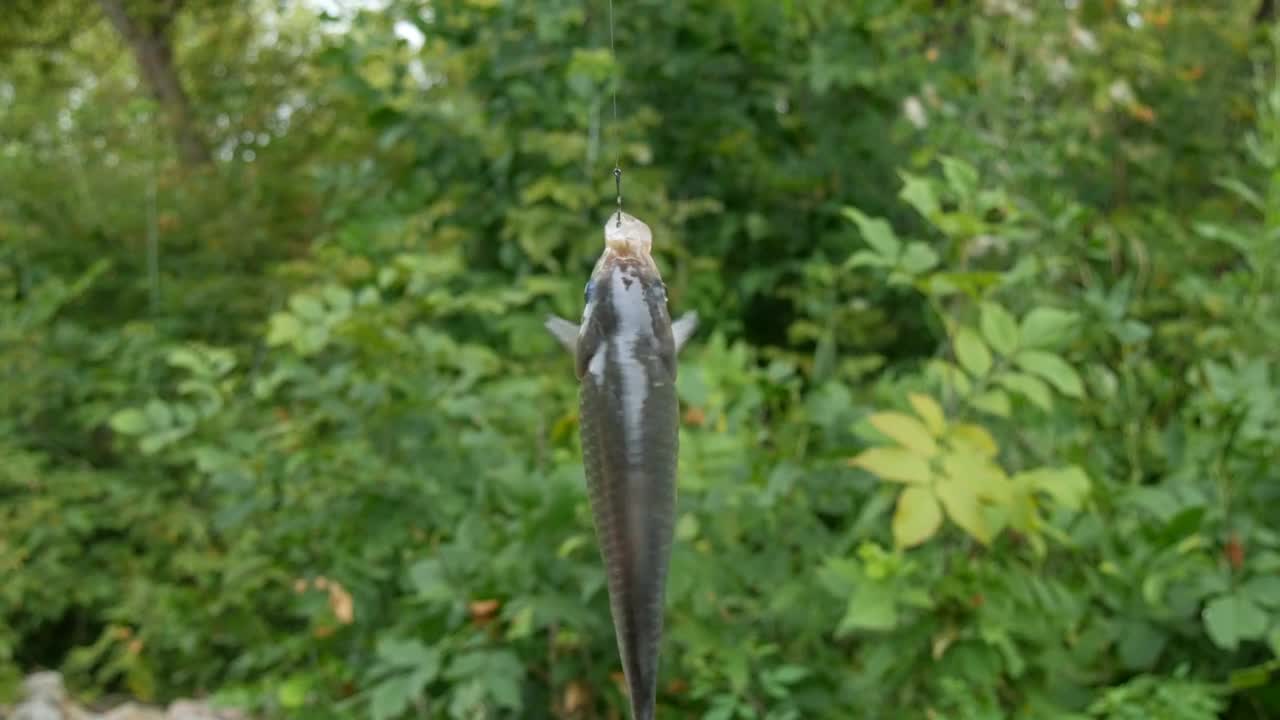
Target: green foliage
x=980 y=423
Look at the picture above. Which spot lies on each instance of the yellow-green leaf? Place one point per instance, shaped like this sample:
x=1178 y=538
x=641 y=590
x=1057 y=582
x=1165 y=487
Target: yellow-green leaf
x=1023 y=511
x=916 y=518
x=906 y=431
x=982 y=476
x=974 y=437
x=972 y=353
x=1052 y=368
x=283 y=328
x=895 y=464
x=1068 y=486
x=930 y=411
x=964 y=509
x=999 y=328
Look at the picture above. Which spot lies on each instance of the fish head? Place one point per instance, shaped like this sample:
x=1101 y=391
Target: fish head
x=626 y=288
x=624 y=297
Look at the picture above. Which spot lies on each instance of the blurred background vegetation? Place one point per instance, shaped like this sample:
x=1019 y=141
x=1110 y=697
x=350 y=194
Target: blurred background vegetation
x=981 y=421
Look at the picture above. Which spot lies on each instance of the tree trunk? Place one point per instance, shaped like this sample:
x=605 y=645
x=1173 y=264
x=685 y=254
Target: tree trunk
x=148 y=38
x=1266 y=12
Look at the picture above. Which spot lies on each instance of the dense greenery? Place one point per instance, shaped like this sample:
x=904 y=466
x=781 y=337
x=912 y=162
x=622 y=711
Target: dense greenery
x=981 y=421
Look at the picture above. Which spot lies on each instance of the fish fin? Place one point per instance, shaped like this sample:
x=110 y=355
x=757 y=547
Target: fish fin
x=682 y=329
x=563 y=331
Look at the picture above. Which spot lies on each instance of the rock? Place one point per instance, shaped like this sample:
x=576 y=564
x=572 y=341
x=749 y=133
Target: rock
x=43 y=698
x=133 y=711
x=38 y=710
x=191 y=710
x=45 y=686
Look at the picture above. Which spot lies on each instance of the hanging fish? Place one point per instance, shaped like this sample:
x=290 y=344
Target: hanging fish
x=625 y=359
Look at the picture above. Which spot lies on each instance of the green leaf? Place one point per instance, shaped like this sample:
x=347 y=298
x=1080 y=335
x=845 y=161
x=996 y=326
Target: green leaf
x=409 y=654
x=428 y=578
x=961 y=176
x=1232 y=618
x=867 y=258
x=871 y=607
x=839 y=576
x=283 y=328
x=1242 y=191
x=918 y=258
x=1240 y=241
x=307 y=307
x=995 y=402
x=999 y=328
x=186 y=358
x=895 y=464
x=725 y=709
x=1046 y=327
x=1028 y=386
x=1264 y=590
x=791 y=674
x=877 y=232
x=972 y=353
x=292 y=693
x=159 y=414
x=916 y=518
x=950 y=376
x=129 y=421
x=521 y=625
x=1052 y=368
x=499 y=672
x=1140 y=645
x=906 y=431
x=918 y=192
x=930 y=411
x=391 y=697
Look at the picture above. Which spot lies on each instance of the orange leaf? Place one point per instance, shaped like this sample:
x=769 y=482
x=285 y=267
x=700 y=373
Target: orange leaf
x=341 y=604
x=575 y=697
x=483 y=609
x=1143 y=113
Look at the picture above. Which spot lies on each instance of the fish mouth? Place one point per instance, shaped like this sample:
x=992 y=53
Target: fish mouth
x=627 y=236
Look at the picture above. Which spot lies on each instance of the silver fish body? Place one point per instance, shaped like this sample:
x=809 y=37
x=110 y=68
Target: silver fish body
x=625 y=358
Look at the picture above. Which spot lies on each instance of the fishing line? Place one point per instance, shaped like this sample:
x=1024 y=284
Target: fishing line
x=617 y=162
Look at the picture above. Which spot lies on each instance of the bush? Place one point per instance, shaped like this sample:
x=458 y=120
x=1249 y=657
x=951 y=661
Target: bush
x=979 y=422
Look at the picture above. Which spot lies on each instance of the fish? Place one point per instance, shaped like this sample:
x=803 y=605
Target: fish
x=625 y=351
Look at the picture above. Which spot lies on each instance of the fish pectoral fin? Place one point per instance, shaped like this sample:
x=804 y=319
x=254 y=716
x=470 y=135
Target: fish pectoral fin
x=563 y=331
x=682 y=329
